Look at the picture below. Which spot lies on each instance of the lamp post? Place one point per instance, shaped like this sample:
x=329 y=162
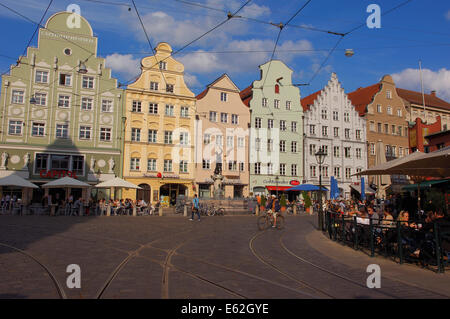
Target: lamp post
x=320 y=158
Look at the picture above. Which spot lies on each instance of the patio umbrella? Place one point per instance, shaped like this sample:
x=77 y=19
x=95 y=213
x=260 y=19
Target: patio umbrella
x=306 y=188
x=392 y=167
x=16 y=181
x=67 y=183
x=117 y=182
x=363 y=189
x=381 y=180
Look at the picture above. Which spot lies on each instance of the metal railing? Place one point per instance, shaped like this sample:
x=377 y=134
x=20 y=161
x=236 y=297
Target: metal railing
x=426 y=244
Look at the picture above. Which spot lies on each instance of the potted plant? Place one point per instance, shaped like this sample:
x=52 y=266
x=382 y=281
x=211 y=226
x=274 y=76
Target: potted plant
x=263 y=202
x=283 y=203
x=307 y=200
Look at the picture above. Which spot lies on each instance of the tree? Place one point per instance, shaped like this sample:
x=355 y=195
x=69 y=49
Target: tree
x=283 y=201
x=307 y=199
x=263 y=201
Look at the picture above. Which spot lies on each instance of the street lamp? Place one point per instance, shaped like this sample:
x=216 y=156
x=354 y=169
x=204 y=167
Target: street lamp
x=320 y=158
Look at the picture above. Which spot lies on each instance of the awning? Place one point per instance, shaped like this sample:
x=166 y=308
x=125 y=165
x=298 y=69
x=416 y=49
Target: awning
x=278 y=188
x=425 y=184
x=368 y=190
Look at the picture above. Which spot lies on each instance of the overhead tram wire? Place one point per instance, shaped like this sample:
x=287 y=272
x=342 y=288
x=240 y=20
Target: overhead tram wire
x=31 y=38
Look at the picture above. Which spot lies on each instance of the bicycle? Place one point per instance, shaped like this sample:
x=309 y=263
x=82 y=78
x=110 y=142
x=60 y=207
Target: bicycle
x=266 y=221
x=213 y=210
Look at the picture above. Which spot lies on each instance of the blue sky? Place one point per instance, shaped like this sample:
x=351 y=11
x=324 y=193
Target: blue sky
x=418 y=30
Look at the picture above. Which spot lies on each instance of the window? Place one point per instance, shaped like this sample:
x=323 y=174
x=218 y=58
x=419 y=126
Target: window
x=324 y=114
x=62 y=130
x=153 y=108
x=107 y=106
x=59 y=161
x=389 y=110
x=379 y=127
x=277 y=89
x=269 y=168
x=282 y=169
x=372 y=149
x=105 y=134
x=88 y=82
x=162 y=65
x=38 y=129
x=358 y=134
x=294 y=147
x=282 y=146
x=167 y=165
x=152 y=136
x=312 y=149
x=337 y=172
x=264 y=102
x=269 y=145
x=348 y=172
x=258 y=122
x=379 y=109
x=293 y=126
x=288 y=105
x=212 y=116
x=167 y=137
x=85 y=132
x=135 y=164
x=154 y=86
x=135 y=134
x=336 y=151
x=41 y=162
x=388 y=94
x=294 y=169
x=283 y=125
x=41 y=76
x=386 y=128
x=136 y=107
x=232 y=165
x=206 y=164
x=241 y=142
x=347 y=152
x=399 y=113
x=324 y=171
x=206 y=139
x=372 y=126
x=230 y=141
x=15 y=127
x=151 y=164
x=312 y=170
x=257 y=144
x=65 y=79
x=169 y=88
x=184 y=111
x=336 y=131
x=393 y=130
x=358 y=153
x=276 y=104
x=346 y=117
x=17 y=96
x=312 y=129
x=86 y=103
x=183 y=166
x=223 y=96
x=219 y=140
x=257 y=168
x=184 y=138
x=269 y=123
x=347 y=133
x=400 y=152
x=234 y=119
x=224 y=117
x=241 y=166
x=324 y=130
x=324 y=149
x=335 y=115
x=41 y=99
x=64 y=101
x=169 y=110
x=394 y=150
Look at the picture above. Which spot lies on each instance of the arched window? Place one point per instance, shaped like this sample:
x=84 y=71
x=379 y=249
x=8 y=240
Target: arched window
x=277 y=89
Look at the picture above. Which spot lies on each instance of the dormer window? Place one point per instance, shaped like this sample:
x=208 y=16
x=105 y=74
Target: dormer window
x=154 y=86
x=277 y=89
x=162 y=65
x=169 y=88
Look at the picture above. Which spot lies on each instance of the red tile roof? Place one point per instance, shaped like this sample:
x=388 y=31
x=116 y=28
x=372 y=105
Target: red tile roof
x=202 y=94
x=309 y=100
x=363 y=97
x=246 y=95
x=416 y=98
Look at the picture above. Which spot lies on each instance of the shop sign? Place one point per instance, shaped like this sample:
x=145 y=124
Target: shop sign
x=294 y=182
x=57 y=174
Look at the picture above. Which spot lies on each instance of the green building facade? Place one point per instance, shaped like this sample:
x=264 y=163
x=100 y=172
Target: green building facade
x=61 y=112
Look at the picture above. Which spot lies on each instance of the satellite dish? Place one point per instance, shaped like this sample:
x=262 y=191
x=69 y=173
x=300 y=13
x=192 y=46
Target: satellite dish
x=349 y=53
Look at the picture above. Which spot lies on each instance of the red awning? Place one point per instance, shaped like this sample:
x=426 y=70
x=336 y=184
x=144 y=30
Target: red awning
x=277 y=188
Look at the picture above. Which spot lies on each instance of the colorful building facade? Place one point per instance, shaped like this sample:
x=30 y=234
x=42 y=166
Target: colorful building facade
x=222 y=128
x=159 y=130
x=62 y=111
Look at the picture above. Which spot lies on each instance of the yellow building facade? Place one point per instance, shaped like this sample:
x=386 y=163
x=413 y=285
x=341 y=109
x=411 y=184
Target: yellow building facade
x=159 y=131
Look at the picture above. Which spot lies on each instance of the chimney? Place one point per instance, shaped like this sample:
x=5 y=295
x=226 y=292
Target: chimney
x=433 y=93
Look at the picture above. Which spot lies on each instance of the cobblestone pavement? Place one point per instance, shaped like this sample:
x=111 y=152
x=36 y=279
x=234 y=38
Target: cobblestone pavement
x=172 y=257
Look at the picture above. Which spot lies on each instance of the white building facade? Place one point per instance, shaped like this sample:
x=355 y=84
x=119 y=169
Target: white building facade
x=332 y=123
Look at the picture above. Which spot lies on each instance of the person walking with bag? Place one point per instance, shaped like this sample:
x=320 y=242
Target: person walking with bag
x=195 y=208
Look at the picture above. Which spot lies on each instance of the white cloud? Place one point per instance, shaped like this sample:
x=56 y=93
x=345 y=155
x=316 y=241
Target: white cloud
x=432 y=80
x=124 y=64
x=447 y=15
x=254 y=11
x=192 y=81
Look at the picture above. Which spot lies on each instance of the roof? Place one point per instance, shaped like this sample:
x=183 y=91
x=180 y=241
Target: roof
x=447 y=132
x=309 y=100
x=202 y=94
x=416 y=98
x=247 y=94
x=363 y=97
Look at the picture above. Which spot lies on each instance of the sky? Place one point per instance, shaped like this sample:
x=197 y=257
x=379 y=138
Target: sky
x=409 y=31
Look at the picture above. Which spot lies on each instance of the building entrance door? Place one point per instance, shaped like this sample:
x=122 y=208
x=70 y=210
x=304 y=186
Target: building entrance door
x=143 y=193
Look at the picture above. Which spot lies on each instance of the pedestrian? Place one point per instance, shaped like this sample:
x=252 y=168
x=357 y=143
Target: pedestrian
x=195 y=208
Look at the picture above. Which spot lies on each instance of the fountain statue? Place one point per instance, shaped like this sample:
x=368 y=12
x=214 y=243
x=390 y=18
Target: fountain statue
x=217 y=178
